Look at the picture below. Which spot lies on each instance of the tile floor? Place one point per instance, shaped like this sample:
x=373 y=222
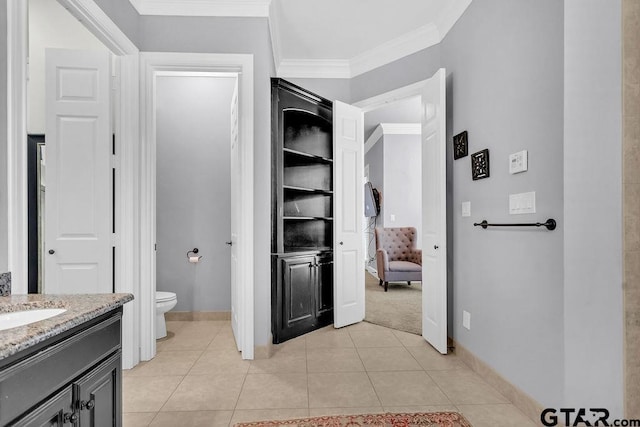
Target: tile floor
x=199 y=379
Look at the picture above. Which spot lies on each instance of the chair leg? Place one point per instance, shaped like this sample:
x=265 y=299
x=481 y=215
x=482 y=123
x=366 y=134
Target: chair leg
x=386 y=286
x=409 y=282
x=380 y=284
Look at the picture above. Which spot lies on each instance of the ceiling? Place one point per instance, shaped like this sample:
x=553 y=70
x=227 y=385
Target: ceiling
x=406 y=110
x=332 y=38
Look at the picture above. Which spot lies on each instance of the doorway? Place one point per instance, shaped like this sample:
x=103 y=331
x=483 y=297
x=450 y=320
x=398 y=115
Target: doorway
x=193 y=191
x=393 y=160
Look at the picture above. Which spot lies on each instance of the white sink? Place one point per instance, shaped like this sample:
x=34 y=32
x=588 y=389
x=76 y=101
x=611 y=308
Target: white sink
x=20 y=318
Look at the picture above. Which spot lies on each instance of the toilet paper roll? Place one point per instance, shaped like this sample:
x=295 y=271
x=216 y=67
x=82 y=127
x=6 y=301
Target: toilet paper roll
x=194 y=258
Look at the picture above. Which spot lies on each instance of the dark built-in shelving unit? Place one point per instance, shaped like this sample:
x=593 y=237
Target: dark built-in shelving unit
x=302 y=211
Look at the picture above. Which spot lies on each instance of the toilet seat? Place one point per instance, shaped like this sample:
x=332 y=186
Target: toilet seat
x=165 y=296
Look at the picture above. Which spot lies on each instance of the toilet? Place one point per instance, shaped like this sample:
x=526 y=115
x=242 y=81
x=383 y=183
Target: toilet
x=165 y=301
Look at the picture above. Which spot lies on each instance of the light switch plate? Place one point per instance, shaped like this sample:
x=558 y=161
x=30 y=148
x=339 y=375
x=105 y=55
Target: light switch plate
x=392 y=217
x=518 y=162
x=466 y=209
x=522 y=203
x=466 y=319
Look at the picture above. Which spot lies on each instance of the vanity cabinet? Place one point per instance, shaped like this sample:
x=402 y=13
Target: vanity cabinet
x=71 y=379
x=302 y=211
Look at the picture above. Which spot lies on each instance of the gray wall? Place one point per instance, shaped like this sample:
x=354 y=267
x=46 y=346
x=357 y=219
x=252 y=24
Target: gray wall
x=403 y=182
x=593 y=209
x=410 y=69
x=504 y=62
x=124 y=15
x=4 y=203
x=375 y=159
x=194 y=190
x=234 y=35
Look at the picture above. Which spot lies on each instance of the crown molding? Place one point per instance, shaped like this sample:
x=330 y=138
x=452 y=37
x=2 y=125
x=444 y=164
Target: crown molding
x=247 y=8
x=314 y=68
x=450 y=15
x=391 y=129
x=274 y=31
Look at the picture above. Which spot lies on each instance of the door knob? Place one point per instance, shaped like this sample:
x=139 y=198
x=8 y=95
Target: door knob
x=435 y=246
x=342 y=243
x=229 y=243
x=51 y=252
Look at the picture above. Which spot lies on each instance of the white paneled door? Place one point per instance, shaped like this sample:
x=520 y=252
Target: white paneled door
x=78 y=195
x=434 y=212
x=348 y=164
x=236 y=176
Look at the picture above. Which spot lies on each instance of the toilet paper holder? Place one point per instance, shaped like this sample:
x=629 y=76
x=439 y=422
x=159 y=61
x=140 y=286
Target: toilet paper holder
x=193 y=256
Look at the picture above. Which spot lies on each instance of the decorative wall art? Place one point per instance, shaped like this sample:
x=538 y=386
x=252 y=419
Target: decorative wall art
x=480 y=164
x=460 y=145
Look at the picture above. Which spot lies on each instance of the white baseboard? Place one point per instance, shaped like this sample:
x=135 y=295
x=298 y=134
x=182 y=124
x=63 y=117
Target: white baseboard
x=372 y=271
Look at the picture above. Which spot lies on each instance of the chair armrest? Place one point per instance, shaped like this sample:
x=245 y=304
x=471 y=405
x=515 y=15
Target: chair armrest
x=416 y=256
x=382 y=262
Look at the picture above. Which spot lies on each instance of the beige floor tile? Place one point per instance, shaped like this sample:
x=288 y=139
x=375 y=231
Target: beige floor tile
x=431 y=360
x=206 y=393
x=214 y=361
x=223 y=340
x=295 y=344
x=319 y=412
x=407 y=388
x=329 y=338
x=147 y=394
x=344 y=389
x=364 y=326
x=293 y=362
x=333 y=360
x=274 y=391
x=191 y=336
x=426 y=408
x=167 y=363
x=137 y=419
x=193 y=419
x=500 y=415
x=388 y=359
x=175 y=325
x=410 y=340
x=464 y=386
x=250 y=415
x=374 y=338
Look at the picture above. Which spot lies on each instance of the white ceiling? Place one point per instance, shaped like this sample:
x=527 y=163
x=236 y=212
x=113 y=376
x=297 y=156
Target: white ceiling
x=406 y=110
x=332 y=38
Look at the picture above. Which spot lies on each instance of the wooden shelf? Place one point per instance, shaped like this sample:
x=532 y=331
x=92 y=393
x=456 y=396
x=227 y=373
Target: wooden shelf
x=300 y=157
x=306 y=190
x=297 y=218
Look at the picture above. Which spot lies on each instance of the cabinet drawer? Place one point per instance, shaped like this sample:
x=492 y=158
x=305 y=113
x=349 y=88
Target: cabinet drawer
x=29 y=381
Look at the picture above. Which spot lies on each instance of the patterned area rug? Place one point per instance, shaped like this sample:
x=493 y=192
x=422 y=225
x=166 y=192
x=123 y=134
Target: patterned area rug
x=400 y=308
x=433 y=419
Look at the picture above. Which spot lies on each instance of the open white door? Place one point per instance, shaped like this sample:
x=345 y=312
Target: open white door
x=78 y=207
x=434 y=212
x=348 y=257
x=235 y=223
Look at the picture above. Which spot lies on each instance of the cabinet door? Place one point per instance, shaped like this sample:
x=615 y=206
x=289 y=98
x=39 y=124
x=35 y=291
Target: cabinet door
x=54 y=412
x=324 y=290
x=99 y=395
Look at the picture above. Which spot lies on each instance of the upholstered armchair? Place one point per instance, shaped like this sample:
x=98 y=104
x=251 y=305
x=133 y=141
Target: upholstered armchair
x=396 y=255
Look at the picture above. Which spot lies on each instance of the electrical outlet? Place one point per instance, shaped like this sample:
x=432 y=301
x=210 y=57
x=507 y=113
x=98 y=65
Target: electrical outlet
x=466 y=209
x=392 y=218
x=466 y=319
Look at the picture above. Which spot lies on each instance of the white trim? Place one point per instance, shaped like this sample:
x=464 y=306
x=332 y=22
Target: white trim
x=391 y=129
x=450 y=15
x=17 y=52
x=242 y=66
x=314 y=68
x=372 y=271
x=96 y=21
x=249 y=8
x=274 y=31
x=392 y=50
x=404 y=92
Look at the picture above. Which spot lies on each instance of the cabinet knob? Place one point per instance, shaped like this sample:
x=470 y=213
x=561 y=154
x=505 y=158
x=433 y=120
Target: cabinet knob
x=435 y=246
x=70 y=418
x=51 y=252
x=87 y=405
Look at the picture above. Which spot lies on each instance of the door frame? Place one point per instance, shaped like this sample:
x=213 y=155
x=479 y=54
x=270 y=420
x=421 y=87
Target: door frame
x=127 y=115
x=153 y=64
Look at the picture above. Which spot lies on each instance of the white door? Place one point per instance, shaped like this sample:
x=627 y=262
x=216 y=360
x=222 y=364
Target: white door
x=434 y=212
x=235 y=223
x=78 y=208
x=348 y=216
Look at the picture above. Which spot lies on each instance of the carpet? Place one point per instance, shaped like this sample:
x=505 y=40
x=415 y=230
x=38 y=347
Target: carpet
x=400 y=308
x=432 y=419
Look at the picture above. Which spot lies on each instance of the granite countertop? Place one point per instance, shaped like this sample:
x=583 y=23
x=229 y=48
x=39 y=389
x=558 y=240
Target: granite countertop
x=80 y=308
